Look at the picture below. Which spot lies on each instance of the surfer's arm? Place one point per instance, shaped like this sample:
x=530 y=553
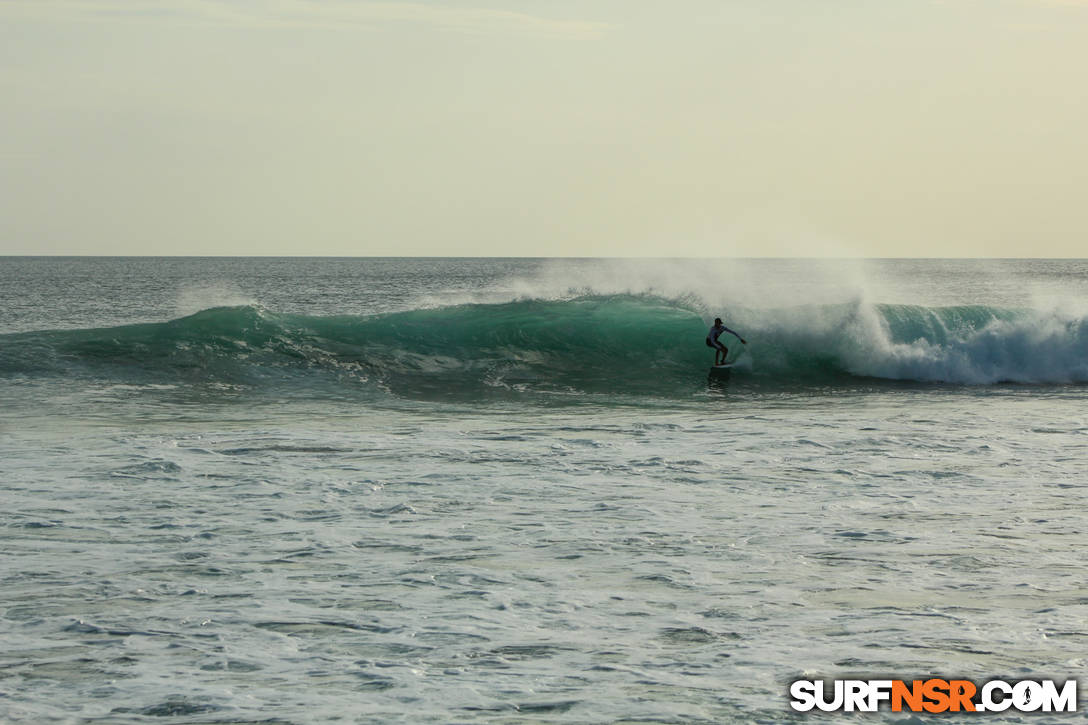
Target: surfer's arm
x=734 y=334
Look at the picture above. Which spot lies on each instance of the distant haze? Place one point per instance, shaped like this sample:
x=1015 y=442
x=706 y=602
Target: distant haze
x=591 y=128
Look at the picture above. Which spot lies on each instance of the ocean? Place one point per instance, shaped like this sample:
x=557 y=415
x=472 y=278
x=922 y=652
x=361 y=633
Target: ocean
x=295 y=490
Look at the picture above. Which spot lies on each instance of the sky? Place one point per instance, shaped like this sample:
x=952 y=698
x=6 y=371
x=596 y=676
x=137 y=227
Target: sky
x=703 y=128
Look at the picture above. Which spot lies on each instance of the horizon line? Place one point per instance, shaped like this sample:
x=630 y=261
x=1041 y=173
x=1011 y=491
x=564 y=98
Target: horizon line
x=478 y=256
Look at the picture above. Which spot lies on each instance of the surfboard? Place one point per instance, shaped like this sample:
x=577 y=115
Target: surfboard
x=721 y=371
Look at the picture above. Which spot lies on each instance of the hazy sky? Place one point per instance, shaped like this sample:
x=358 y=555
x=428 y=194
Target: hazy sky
x=555 y=127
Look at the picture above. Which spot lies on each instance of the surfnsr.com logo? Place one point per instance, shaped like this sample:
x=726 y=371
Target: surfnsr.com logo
x=933 y=695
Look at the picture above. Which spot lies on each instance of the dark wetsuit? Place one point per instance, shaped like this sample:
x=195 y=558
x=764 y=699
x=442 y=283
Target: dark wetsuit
x=715 y=332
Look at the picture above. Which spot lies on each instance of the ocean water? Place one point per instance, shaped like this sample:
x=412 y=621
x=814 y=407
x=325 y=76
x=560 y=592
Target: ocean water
x=506 y=490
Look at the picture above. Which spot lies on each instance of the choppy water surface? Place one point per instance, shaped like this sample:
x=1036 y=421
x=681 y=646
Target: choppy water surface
x=530 y=504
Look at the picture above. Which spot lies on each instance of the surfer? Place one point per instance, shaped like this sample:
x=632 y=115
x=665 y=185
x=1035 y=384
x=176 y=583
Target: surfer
x=712 y=340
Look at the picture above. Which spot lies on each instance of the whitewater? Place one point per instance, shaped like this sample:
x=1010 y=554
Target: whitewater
x=508 y=490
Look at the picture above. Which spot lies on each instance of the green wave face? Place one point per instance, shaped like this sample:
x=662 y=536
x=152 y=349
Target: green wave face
x=588 y=344
x=596 y=344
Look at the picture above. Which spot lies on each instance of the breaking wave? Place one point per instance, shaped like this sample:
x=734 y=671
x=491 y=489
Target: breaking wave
x=597 y=343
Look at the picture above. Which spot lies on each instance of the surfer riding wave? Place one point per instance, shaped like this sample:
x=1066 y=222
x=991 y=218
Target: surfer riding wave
x=712 y=340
